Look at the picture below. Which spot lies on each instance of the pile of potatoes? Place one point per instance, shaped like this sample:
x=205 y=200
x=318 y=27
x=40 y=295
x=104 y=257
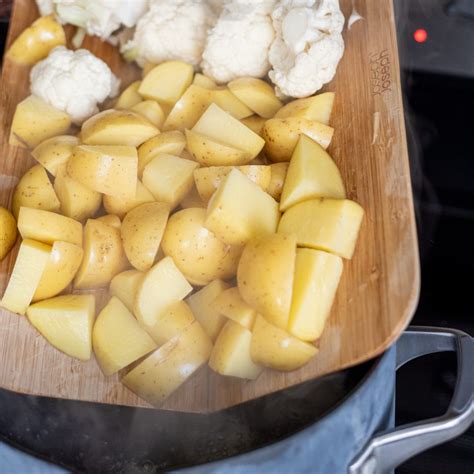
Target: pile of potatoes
x=213 y=214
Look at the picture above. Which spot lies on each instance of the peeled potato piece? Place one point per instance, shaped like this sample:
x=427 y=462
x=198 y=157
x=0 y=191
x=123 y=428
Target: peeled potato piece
x=54 y=152
x=117 y=338
x=201 y=304
x=331 y=225
x=61 y=267
x=220 y=126
x=124 y=286
x=257 y=94
x=317 y=276
x=35 y=121
x=211 y=152
x=66 y=322
x=150 y=304
x=274 y=348
x=169 y=178
x=35 y=190
x=317 y=108
x=77 y=201
x=203 y=81
x=281 y=136
x=166 y=369
x=231 y=353
x=47 y=227
x=111 y=220
x=151 y=110
x=129 y=96
x=176 y=317
x=230 y=103
x=231 y=304
x=142 y=231
x=167 y=82
x=240 y=210
x=265 y=276
x=208 y=179
x=312 y=173
x=103 y=256
x=117 y=127
x=7 y=232
x=120 y=206
x=197 y=252
x=35 y=42
x=106 y=169
x=25 y=277
x=172 y=142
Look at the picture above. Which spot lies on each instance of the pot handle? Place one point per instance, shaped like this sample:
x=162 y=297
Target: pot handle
x=391 y=448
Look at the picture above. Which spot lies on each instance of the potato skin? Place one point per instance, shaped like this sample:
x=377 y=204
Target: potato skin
x=198 y=253
x=7 y=232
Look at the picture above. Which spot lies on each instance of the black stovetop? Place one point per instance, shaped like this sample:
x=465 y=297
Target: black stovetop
x=438 y=82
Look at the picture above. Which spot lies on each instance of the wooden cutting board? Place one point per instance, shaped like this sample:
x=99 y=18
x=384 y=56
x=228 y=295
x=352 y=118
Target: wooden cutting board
x=379 y=289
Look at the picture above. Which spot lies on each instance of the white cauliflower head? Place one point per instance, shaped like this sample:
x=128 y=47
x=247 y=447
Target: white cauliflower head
x=238 y=45
x=308 y=45
x=98 y=17
x=74 y=82
x=171 y=29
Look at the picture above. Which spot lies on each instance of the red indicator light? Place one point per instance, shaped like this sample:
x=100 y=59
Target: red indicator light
x=420 y=35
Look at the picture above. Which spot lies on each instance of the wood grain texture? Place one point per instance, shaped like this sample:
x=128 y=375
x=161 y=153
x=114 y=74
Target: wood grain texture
x=380 y=285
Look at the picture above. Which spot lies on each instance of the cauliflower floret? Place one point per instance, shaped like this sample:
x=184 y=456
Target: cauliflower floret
x=74 y=82
x=308 y=45
x=171 y=29
x=99 y=17
x=238 y=45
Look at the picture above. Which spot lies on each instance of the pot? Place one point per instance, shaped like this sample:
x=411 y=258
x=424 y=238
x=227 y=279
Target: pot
x=340 y=423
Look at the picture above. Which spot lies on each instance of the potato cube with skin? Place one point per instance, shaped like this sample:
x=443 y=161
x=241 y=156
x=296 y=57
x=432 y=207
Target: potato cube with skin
x=197 y=252
x=48 y=227
x=231 y=353
x=104 y=256
x=54 y=152
x=8 y=232
x=230 y=103
x=312 y=173
x=35 y=42
x=120 y=207
x=175 y=319
x=77 y=201
x=265 y=276
x=208 y=179
x=317 y=108
x=106 y=169
x=117 y=127
x=111 y=220
x=167 y=82
x=166 y=369
x=281 y=136
x=257 y=94
x=35 y=190
x=35 y=121
x=277 y=179
x=255 y=123
x=192 y=199
x=117 y=338
x=203 y=81
x=273 y=347
x=66 y=323
x=151 y=110
x=61 y=267
x=317 y=276
x=211 y=152
x=142 y=231
x=239 y=210
x=231 y=304
x=169 y=178
x=26 y=275
x=129 y=96
x=201 y=304
x=124 y=286
x=220 y=126
x=172 y=142
x=331 y=225
x=160 y=287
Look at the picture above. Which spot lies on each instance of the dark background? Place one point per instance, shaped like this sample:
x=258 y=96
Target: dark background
x=438 y=85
